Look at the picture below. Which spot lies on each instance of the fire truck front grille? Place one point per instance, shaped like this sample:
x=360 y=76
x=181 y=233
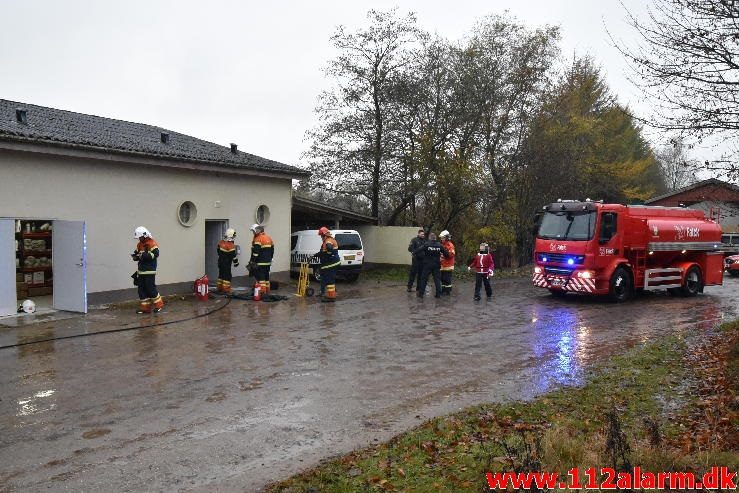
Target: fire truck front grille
x=557 y=271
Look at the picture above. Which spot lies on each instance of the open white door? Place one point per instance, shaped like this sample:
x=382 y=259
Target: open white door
x=8 y=302
x=69 y=254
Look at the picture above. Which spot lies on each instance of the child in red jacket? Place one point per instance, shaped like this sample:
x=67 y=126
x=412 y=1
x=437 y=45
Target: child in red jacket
x=484 y=269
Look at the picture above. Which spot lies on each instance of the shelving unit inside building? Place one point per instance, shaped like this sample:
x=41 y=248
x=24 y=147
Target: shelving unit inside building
x=33 y=258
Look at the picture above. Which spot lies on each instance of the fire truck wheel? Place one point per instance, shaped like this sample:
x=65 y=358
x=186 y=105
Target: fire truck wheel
x=621 y=286
x=734 y=273
x=692 y=283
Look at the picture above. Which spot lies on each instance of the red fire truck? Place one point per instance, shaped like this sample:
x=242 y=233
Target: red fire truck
x=588 y=247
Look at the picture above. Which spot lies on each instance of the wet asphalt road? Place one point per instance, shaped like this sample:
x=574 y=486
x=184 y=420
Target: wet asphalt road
x=257 y=391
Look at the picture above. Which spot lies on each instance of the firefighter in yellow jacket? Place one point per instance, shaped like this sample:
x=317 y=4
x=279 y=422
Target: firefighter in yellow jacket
x=262 y=251
x=447 y=262
x=146 y=254
x=226 y=257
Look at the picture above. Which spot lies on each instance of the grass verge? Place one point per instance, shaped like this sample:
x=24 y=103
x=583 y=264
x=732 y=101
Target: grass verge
x=666 y=406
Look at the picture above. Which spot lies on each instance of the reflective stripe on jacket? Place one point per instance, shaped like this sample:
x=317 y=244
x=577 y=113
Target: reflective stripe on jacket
x=262 y=249
x=483 y=263
x=148 y=254
x=329 y=253
x=226 y=252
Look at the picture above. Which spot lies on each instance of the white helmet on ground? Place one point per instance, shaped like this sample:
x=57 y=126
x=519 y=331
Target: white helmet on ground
x=445 y=234
x=230 y=234
x=28 y=306
x=256 y=227
x=141 y=231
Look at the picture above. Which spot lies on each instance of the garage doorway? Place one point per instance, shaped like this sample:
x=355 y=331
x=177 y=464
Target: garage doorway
x=43 y=260
x=215 y=230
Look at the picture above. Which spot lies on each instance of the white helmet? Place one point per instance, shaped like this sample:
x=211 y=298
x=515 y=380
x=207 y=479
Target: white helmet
x=230 y=234
x=28 y=306
x=445 y=234
x=256 y=227
x=141 y=231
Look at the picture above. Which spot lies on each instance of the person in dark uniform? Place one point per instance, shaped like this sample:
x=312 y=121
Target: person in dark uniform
x=146 y=255
x=226 y=257
x=262 y=252
x=416 y=260
x=432 y=252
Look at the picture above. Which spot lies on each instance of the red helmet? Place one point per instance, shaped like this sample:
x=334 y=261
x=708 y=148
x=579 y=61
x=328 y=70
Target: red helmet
x=323 y=231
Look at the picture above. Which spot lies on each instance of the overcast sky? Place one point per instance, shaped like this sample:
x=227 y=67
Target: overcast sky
x=240 y=71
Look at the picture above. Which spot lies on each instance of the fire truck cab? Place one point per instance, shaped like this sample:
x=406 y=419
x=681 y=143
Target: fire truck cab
x=592 y=248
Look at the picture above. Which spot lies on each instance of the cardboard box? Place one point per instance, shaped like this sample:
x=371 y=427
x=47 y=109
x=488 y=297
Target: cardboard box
x=21 y=290
x=39 y=291
x=38 y=277
x=28 y=277
x=19 y=277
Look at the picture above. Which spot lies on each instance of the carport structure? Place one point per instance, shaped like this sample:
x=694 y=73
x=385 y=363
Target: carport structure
x=311 y=214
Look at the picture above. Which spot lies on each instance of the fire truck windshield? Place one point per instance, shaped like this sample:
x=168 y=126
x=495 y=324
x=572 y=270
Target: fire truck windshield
x=567 y=225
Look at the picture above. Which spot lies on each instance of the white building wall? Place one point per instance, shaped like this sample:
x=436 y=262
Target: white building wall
x=113 y=198
x=387 y=244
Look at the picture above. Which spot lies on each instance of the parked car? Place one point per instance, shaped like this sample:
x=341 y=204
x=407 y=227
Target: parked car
x=305 y=244
x=731 y=265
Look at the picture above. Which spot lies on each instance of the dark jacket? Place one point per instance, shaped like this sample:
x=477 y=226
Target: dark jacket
x=329 y=253
x=148 y=251
x=262 y=249
x=226 y=253
x=414 y=245
x=431 y=252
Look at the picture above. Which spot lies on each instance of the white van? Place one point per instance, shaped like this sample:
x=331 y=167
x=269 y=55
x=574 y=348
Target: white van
x=305 y=244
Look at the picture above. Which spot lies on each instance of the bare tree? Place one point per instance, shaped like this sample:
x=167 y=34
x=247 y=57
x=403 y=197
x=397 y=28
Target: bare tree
x=678 y=170
x=348 y=153
x=687 y=61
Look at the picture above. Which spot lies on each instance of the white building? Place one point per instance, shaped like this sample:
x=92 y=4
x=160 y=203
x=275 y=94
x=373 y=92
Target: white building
x=75 y=186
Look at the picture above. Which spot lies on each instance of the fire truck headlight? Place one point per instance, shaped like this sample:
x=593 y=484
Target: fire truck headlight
x=585 y=274
x=538 y=270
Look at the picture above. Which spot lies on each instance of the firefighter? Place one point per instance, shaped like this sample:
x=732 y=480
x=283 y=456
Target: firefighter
x=330 y=261
x=447 y=262
x=484 y=266
x=146 y=254
x=416 y=260
x=432 y=252
x=226 y=257
x=262 y=251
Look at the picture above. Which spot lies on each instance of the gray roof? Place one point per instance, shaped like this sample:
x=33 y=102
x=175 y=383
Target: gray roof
x=69 y=129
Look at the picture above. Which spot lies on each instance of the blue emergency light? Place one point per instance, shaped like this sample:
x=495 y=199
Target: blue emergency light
x=570 y=261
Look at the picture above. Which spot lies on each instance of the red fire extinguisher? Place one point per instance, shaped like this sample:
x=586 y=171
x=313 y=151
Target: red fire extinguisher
x=257 y=291
x=201 y=288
